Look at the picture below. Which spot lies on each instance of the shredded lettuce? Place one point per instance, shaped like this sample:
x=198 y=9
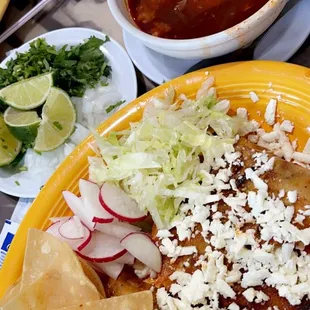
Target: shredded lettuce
x=167 y=156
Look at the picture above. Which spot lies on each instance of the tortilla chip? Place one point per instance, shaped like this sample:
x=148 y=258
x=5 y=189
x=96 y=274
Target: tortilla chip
x=91 y=274
x=53 y=290
x=136 y=301
x=11 y=293
x=52 y=276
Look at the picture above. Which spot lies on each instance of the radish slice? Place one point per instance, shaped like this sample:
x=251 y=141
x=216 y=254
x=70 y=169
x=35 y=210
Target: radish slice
x=117 y=229
x=102 y=248
x=75 y=244
x=77 y=207
x=72 y=229
x=90 y=196
x=127 y=259
x=113 y=270
x=57 y=219
x=142 y=247
x=114 y=200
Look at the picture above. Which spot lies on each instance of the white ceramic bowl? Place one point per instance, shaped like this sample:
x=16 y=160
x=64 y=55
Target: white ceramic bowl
x=206 y=47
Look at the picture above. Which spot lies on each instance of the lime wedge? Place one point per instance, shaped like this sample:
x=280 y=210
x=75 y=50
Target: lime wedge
x=9 y=145
x=22 y=124
x=58 y=120
x=28 y=94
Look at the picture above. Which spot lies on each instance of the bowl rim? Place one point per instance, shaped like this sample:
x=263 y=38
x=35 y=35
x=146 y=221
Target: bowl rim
x=227 y=35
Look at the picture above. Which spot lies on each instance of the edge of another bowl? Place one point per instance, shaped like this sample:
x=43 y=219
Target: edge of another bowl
x=222 y=42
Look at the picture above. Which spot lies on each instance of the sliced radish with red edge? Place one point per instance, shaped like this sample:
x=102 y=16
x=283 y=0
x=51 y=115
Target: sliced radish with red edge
x=72 y=229
x=102 y=248
x=90 y=197
x=57 y=219
x=75 y=244
x=142 y=247
x=113 y=270
x=117 y=229
x=115 y=201
x=78 y=208
x=127 y=259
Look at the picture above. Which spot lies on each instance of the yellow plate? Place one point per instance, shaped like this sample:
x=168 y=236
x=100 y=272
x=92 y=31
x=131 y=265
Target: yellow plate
x=232 y=81
x=3 y=6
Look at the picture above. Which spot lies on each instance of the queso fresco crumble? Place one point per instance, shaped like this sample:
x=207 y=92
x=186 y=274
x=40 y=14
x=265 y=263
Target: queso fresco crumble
x=234 y=254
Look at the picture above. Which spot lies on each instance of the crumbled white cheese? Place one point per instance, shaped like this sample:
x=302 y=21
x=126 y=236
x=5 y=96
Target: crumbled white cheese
x=203 y=91
x=257 y=181
x=254 y=97
x=281 y=193
x=254 y=278
x=261 y=297
x=141 y=270
x=287 y=126
x=270 y=114
x=163 y=233
x=233 y=306
x=299 y=218
x=301 y=157
x=222 y=106
x=249 y=294
x=270 y=136
x=242 y=113
x=292 y=196
x=306 y=213
x=261 y=263
x=306 y=149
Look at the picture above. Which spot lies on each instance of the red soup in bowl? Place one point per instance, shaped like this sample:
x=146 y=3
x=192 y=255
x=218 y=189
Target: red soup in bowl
x=189 y=19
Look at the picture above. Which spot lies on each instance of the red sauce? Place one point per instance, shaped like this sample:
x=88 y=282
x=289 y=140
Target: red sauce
x=189 y=19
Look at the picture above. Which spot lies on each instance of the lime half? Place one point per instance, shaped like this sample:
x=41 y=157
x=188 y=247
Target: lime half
x=9 y=145
x=22 y=124
x=58 y=120
x=28 y=94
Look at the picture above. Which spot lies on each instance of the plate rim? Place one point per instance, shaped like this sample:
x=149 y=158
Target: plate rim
x=17 y=193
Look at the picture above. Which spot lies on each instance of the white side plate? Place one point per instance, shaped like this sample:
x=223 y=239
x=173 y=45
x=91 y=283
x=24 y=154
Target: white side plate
x=157 y=67
x=123 y=74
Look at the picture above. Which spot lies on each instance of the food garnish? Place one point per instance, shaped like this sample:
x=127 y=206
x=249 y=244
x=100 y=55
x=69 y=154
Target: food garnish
x=9 y=145
x=28 y=94
x=214 y=198
x=157 y=162
x=53 y=277
x=22 y=124
x=74 y=69
x=58 y=121
x=230 y=216
x=114 y=106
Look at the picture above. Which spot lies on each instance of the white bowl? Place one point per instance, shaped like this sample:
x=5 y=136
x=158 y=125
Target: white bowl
x=206 y=47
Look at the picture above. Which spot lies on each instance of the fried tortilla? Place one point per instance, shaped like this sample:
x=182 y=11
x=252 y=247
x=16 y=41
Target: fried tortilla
x=137 y=301
x=284 y=175
x=52 y=277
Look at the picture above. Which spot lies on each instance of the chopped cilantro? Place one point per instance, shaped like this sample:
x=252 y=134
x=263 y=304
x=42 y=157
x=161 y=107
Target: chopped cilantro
x=104 y=83
x=17 y=183
x=18 y=158
x=75 y=69
x=114 y=106
x=23 y=168
x=57 y=125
